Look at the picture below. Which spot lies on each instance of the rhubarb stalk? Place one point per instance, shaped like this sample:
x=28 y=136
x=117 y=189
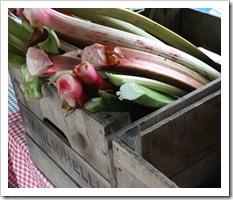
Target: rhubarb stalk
x=88 y=75
x=88 y=33
x=40 y=64
x=143 y=64
x=143 y=96
x=118 y=80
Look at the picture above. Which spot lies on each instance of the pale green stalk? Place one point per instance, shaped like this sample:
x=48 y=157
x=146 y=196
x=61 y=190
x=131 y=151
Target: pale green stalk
x=108 y=21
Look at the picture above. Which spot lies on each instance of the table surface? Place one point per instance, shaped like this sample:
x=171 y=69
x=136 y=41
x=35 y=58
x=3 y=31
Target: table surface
x=22 y=173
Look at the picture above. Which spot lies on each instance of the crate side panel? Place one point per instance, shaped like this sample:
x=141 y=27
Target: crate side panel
x=56 y=175
x=85 y=131
x=63 y=155
x=183 y=138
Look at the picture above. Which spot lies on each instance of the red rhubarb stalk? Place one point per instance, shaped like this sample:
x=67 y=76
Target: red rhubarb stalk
x=88 y=75
x=71 y=89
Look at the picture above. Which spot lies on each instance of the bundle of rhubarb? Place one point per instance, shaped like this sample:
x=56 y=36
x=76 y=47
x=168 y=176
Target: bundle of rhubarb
x=104 y=59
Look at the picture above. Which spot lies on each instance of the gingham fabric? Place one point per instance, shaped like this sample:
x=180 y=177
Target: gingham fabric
x=22 y=173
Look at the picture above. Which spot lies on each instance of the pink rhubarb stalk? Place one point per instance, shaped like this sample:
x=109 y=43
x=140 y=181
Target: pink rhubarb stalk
x=71 y=90
x=39 y=64
x=143 y=64
x=88 y=75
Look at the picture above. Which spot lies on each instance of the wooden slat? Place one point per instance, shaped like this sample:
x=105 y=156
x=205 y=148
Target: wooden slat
x=185 y=137
x=132 y=171
x=51 y=170
x=206 y=172
x=54 y=144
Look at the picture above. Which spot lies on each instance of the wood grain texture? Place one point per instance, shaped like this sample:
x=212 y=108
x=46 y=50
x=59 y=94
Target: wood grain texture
x=85 y=131
x=54 y=144
x=206 y=172
x=132 y=171
x=51 y=170
x=174 y=143
x=185 y=137
x=201 y=29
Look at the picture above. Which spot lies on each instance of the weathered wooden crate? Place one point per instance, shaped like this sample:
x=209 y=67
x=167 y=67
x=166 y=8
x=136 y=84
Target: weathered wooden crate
x=175 y=146
x=86 y=133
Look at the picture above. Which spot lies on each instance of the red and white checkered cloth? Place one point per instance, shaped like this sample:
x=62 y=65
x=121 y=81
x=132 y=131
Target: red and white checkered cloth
x=22 y=173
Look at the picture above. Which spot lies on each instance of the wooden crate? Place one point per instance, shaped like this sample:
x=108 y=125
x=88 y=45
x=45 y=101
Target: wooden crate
x=87 y=133
x=170 y=147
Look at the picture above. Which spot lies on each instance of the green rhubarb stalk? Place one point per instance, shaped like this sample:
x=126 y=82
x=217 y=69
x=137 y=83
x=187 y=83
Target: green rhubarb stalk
x=108 y=21
x=30 y=86
x=107 y=102
x=16 y=60
x=12 y=49
x=111 y=103
x=155 y=29
x=159 y=86
x=19 y=36
x=19 y=29
x=17 y=43
x=143 y=96
x=23 y=34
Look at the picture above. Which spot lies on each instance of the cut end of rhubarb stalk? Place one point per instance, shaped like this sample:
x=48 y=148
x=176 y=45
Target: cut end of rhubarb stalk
x=71 y=90
x=128 y=91
x=144 y=96
x=88 y=75
x=101 y=55
x=38 y=62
